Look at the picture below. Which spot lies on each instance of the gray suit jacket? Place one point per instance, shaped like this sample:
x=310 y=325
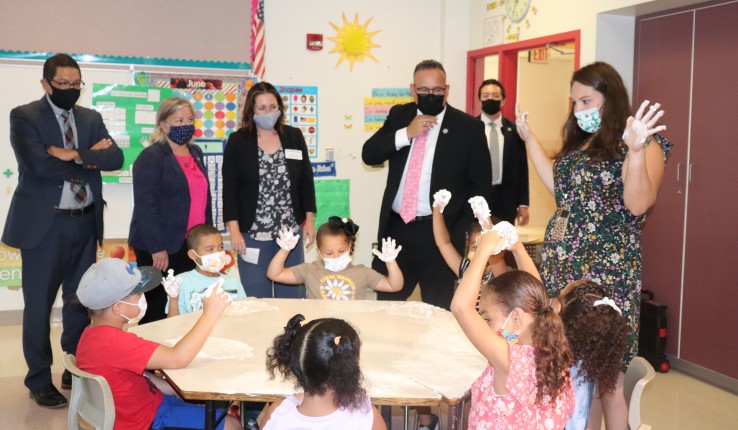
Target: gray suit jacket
x=34 y=128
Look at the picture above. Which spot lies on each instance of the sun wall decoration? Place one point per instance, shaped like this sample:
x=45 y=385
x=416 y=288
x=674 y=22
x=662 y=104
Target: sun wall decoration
x=353 y=41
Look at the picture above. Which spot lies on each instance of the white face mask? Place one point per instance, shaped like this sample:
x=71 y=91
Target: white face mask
x=589 y=120
x=337 y=264
x=212 y=262
x=142 y=306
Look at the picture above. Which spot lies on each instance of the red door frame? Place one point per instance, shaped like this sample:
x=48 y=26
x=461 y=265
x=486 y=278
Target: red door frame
x=508 y=72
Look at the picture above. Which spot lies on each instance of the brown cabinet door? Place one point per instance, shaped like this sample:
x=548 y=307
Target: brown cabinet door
x=663 y=74
x=710 y=314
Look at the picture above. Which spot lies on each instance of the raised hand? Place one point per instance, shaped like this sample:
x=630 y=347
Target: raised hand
x=521 y=123
x=286 y=239
x=481 y=212
x=441 y=199
x=389 y=250
x=639 y=128
x=508 y=232
x=171 y=284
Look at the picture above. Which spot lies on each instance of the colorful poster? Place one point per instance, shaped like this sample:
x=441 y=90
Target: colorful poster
x=129 y=113
x=301 y=111
x=378 y=105
x=217 y=99
x=332 y=199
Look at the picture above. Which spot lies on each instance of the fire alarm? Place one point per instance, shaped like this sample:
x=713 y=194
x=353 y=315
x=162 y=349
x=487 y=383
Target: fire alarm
x=315 y=42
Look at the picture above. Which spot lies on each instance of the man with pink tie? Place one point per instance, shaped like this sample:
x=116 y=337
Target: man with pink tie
x=430 y=146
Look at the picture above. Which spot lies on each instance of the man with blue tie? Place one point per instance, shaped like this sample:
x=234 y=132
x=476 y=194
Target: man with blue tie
x=56 y=214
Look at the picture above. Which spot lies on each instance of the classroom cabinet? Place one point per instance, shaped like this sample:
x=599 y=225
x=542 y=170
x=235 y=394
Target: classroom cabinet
x=686 y=60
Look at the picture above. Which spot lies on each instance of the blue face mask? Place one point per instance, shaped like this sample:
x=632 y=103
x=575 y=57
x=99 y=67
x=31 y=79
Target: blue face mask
x=511 y=338
x=181 y=134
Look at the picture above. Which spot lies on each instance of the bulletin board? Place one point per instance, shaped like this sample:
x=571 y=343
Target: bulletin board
x=25 y=76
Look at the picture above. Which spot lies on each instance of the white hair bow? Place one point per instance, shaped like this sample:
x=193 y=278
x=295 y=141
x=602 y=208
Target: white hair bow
x=608 y=302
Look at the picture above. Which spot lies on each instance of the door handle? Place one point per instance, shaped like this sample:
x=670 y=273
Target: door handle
x=689 y=173
x=678 y=169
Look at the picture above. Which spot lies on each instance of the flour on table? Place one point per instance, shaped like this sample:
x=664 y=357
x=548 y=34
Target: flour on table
x=219 y=348
x=248 y=306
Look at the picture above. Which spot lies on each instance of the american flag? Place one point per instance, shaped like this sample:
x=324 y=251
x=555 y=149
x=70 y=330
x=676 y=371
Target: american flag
x=258 y=43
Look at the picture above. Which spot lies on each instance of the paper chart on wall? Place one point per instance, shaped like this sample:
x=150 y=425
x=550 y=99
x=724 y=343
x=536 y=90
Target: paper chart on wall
x=379 y=104
x=301 y=111
x=129 y=114
x=217 y=100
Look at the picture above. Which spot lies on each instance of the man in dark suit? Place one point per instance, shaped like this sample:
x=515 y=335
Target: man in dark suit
x=508 y=154
x=430 y=146
x=56 y=215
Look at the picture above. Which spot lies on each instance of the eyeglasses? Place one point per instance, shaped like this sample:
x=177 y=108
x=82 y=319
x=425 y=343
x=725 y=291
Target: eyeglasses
x=438 y=91
x=67 y=85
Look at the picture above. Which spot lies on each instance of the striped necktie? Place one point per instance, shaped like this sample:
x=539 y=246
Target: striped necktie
x=79 y=191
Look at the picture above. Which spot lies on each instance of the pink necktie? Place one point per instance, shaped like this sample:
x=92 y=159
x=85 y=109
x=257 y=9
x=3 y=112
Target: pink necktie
x=412 y=179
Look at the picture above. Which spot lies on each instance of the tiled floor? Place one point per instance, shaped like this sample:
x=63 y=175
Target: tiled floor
x=672 y=401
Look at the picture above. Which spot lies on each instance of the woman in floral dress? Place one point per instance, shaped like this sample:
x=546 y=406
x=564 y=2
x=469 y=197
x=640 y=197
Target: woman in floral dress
x=267 y=185
x=604 y=179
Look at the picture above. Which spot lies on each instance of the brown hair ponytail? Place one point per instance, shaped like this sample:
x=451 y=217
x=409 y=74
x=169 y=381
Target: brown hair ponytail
x=553 y=356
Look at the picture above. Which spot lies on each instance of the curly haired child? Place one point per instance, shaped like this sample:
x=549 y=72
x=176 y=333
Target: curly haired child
x=597 y=335
x=322 y=357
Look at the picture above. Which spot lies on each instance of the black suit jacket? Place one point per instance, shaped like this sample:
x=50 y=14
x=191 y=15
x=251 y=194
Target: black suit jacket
x=513 y=190
x=241 y=177
x=34 y=128
x=161 y=199
x=461 y=164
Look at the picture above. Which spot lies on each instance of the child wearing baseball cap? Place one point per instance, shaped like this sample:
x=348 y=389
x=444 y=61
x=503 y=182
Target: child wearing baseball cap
x=113 y=291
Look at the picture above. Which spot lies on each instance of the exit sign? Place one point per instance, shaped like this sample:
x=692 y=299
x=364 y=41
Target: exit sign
x=538 y=55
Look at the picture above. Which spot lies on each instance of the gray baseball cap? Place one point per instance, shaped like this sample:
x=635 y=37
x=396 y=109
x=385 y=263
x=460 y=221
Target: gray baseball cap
x=112 y=279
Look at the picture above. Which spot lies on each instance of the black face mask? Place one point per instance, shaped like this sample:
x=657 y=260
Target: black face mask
x=430 y=104
x=491 y=107
x=64 y=99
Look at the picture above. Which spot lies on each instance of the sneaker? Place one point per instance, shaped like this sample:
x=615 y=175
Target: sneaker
x=251 y=424
x=434 y=425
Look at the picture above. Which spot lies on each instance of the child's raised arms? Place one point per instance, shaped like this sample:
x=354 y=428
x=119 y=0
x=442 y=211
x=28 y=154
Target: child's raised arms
x=394 y=280
x=287 y=240
x=476 y=326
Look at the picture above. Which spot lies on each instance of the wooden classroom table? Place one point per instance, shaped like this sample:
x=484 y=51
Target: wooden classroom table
x=412 y=354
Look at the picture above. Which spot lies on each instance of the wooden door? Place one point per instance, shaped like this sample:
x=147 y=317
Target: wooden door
x=710 y=314
x=663 y=74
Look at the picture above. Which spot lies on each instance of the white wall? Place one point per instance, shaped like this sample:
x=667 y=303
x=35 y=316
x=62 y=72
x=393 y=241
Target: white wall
x=411 y=31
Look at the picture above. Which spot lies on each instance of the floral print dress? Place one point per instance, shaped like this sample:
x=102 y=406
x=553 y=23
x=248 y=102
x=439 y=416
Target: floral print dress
x=517 y=410
x=602 y=239
x=274 y=205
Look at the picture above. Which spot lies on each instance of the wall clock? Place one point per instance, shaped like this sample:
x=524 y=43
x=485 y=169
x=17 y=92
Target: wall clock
x=516 y=10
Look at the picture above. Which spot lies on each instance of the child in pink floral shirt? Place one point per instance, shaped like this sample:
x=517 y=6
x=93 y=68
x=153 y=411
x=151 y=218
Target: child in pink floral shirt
x=526 y=384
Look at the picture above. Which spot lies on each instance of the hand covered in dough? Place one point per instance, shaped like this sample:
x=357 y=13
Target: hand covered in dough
x=389 y=250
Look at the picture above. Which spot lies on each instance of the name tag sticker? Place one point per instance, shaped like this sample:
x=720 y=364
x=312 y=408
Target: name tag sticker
x=293 y=154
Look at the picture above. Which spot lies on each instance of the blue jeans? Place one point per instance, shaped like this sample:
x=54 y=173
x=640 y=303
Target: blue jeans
x=583 y=392
x=253 y=276
x=173 y=412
